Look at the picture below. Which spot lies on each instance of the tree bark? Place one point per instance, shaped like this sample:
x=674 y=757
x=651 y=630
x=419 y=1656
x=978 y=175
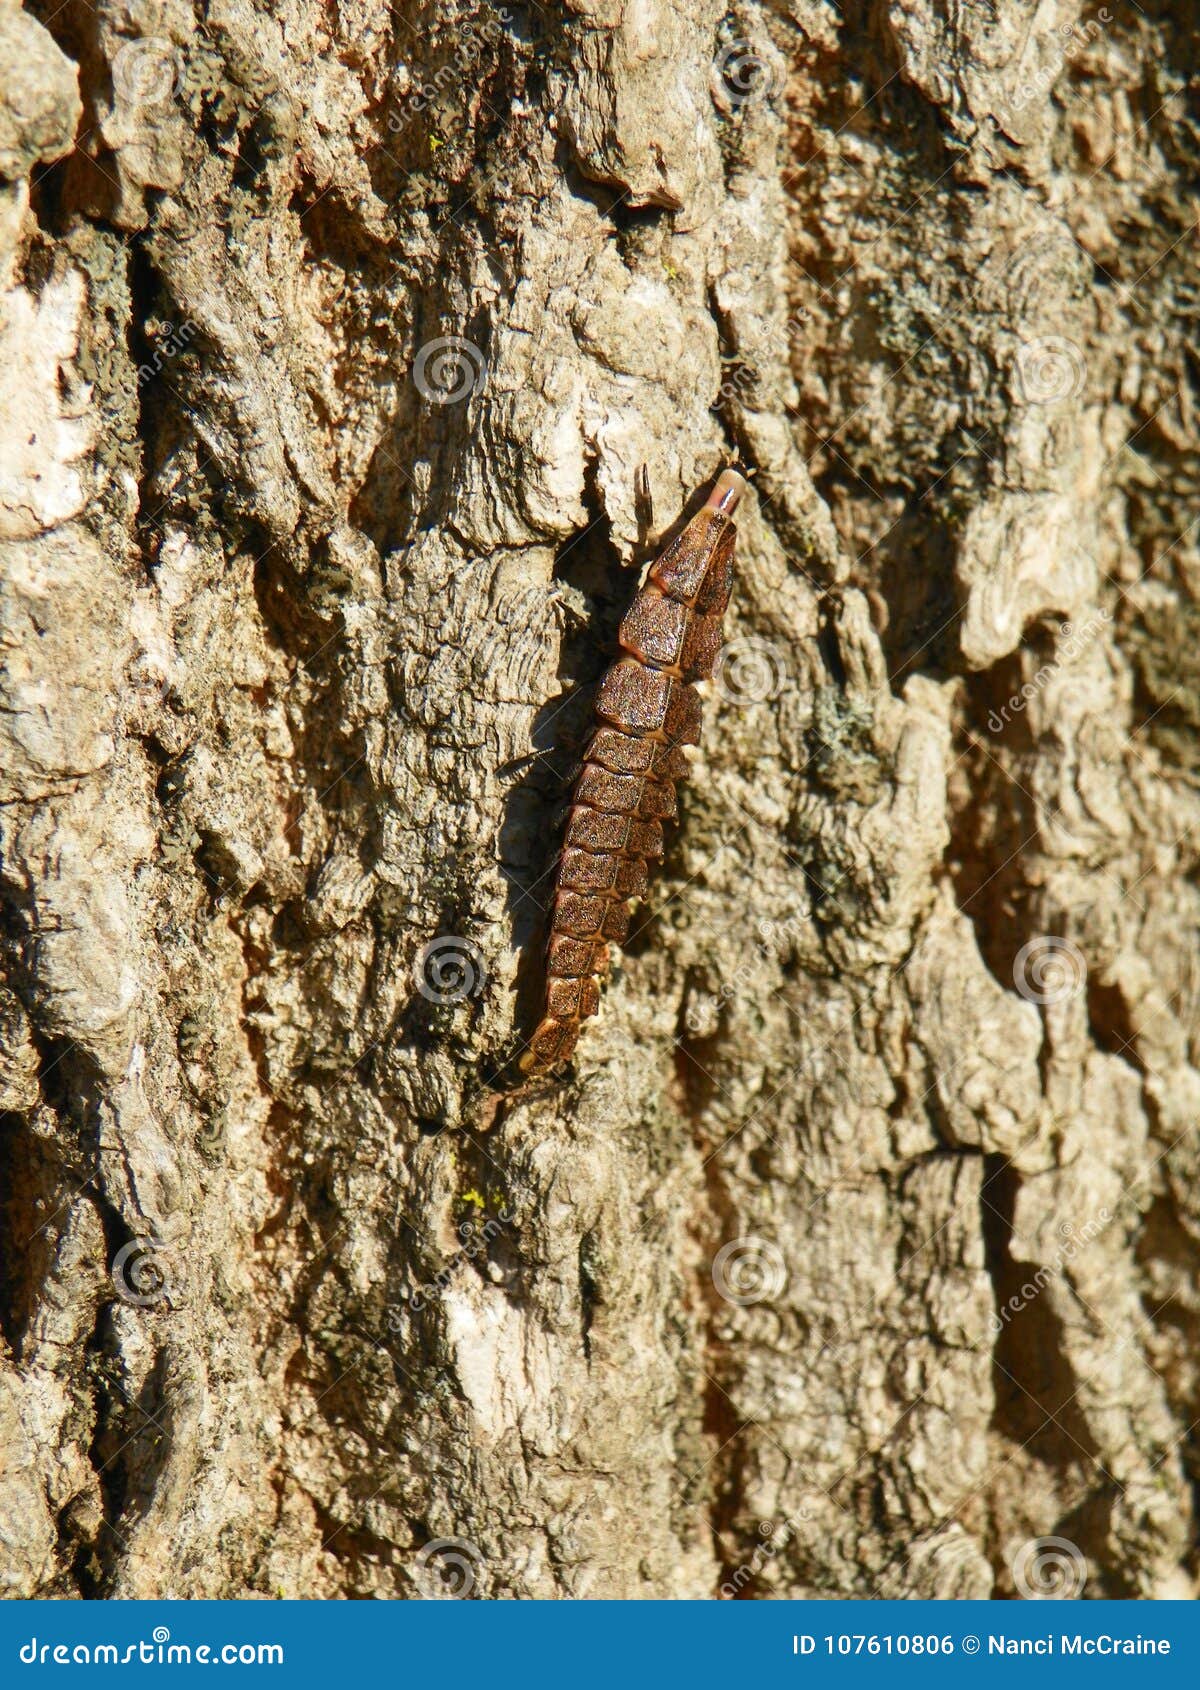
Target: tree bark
x=856 y=1254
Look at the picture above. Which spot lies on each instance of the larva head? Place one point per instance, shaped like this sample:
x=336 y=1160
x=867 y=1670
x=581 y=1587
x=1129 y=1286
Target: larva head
x=696 y=569
x=727 y=491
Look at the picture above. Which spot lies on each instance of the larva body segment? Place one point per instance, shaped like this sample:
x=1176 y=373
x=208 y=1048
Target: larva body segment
x=648 y=710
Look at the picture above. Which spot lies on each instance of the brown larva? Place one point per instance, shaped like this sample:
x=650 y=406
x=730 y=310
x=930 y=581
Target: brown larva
x=648 y=709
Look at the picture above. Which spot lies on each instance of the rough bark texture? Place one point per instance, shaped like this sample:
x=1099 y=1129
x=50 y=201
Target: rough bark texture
x=857 y=1255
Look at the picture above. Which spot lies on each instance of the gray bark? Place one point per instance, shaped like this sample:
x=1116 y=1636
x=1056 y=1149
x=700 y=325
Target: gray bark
x=857 y=1253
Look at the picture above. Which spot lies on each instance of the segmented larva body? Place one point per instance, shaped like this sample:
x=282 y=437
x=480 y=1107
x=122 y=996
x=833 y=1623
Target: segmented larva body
x=648 y=710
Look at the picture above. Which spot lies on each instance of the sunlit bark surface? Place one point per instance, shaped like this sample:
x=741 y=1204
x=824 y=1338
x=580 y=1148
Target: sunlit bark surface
x=856 y=1253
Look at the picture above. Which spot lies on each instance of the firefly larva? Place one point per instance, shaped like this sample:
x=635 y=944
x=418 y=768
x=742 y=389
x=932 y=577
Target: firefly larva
x=648 y=710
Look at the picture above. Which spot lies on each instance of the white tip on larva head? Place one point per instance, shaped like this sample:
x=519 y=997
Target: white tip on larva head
x=727 y=490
